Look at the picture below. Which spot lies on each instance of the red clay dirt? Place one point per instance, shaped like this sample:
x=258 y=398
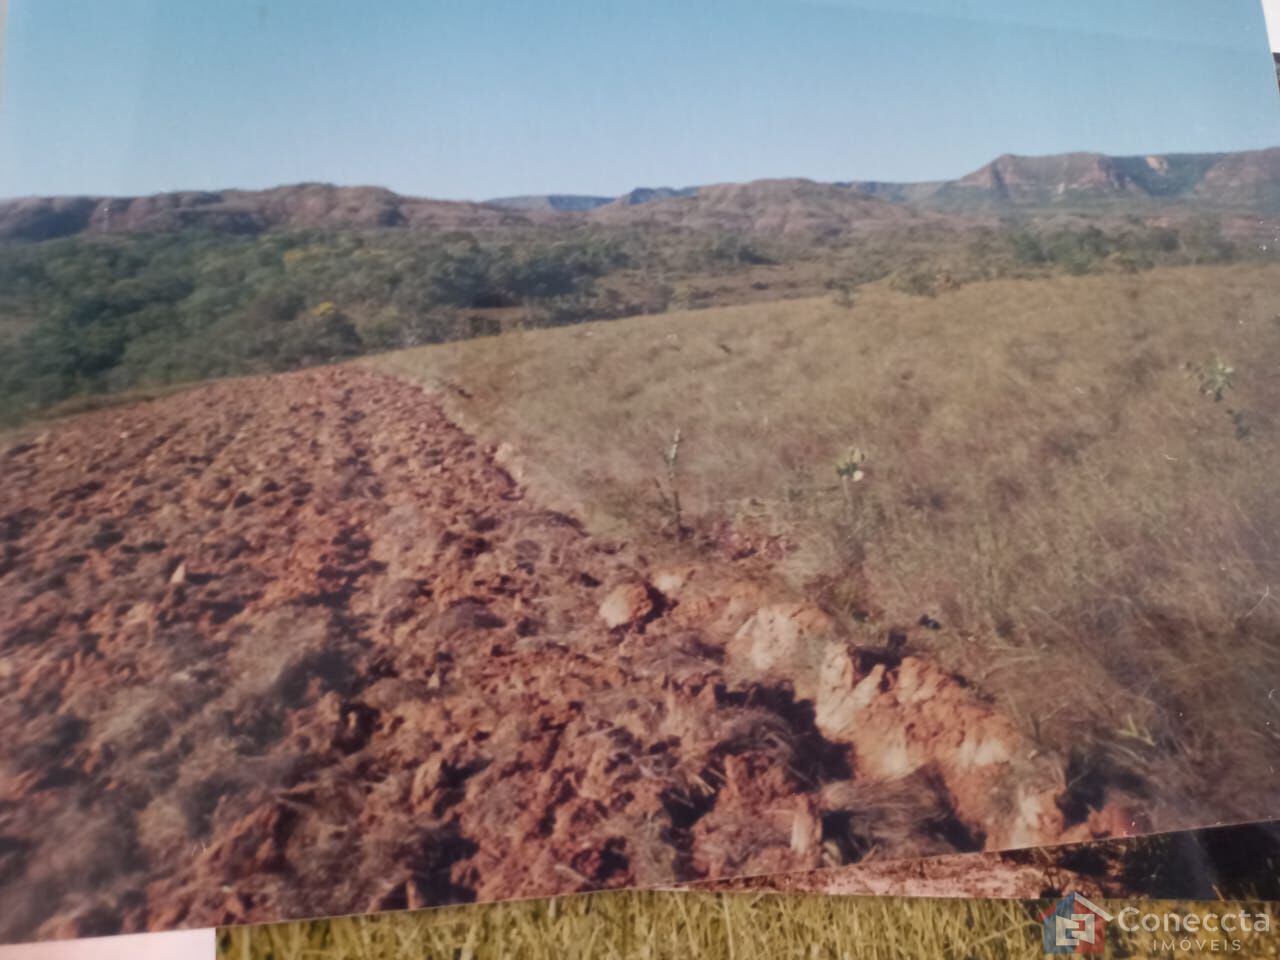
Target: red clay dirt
x=298 y=645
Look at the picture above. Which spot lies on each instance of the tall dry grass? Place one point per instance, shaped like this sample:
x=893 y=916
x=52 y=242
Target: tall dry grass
x=1046 y=479
x=654 y=925
x=634 y=925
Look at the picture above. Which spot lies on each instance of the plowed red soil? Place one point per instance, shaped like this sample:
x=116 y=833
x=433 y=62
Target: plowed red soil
x=297 y=645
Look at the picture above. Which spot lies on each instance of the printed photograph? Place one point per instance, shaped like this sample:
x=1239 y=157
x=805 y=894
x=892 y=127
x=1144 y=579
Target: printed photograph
x=461 y=451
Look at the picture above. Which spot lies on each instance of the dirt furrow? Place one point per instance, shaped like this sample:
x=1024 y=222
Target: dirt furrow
x=298 y=645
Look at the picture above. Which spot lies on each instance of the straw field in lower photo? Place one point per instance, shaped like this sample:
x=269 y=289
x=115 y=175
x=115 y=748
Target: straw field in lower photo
x=662 y=924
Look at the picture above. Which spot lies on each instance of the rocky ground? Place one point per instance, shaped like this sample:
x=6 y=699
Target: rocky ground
x=298 y=645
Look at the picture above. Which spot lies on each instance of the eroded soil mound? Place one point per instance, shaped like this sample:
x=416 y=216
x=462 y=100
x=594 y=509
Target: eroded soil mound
x=298 y=645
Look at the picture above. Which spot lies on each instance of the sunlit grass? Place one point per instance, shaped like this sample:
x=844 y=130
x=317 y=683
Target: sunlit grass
x=1044 y=475
x=656 y=925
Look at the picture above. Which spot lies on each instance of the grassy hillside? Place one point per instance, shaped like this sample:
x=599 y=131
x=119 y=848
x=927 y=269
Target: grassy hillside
x=1073 y=477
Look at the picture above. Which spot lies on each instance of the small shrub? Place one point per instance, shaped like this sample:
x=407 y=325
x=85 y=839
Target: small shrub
x=918 y=283
x=843 y=297
x=1216 y=378
x=849 y=470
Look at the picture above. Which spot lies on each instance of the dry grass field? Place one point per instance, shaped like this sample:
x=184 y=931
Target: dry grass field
x=655 y=925
x=1071 y=479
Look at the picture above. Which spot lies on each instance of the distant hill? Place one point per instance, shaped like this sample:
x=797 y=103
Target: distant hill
x=778 y=206
x=582 y=202
x=244 y=211
x=1245 y=181
x=649 y=194
x=550 y=201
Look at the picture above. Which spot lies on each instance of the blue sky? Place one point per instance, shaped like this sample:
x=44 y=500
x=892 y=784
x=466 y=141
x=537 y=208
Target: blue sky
x=480 y=98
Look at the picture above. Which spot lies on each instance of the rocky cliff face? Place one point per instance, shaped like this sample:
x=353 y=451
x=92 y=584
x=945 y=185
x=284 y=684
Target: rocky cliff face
x=1223 y=180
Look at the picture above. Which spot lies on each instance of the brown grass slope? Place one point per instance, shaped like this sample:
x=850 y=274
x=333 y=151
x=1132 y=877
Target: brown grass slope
x=1047 y=481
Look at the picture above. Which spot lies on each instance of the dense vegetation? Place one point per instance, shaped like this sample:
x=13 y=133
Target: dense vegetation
x=107 y=314
x=1137 y=247
x=90 y=315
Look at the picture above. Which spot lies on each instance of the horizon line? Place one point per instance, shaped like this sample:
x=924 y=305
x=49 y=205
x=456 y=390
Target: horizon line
x=667 y=186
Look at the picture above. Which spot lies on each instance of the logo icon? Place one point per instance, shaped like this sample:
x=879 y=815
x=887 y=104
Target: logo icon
x=1075 y=925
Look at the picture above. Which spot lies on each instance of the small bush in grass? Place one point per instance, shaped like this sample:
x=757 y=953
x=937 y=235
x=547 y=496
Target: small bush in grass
x=843 y=297
x=919 y=283
x=1216 y=378
x=849 y=470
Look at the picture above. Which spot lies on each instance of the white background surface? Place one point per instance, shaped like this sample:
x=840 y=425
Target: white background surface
x=180 y=945
x=1271 y=10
